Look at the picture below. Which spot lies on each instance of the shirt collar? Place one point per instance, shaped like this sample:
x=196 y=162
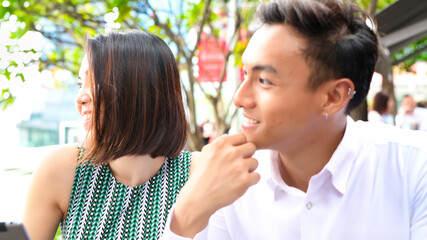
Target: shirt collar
x=339 y=165
x=344 y=156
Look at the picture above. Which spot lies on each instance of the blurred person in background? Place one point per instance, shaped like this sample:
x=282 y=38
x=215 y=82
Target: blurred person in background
x=382 y=107
x=121 y=183
x=410 y=116
x=208 y=131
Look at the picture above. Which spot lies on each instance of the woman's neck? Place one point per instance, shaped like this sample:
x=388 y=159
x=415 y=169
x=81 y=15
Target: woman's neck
x=134 y=170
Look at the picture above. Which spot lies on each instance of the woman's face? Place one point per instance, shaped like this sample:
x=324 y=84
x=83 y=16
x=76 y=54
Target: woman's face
x=84 y=98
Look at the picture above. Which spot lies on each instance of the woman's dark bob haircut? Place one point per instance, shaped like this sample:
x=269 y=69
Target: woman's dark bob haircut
x=137 y=101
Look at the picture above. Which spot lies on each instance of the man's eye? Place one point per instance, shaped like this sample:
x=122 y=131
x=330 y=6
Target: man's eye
x=263 y=81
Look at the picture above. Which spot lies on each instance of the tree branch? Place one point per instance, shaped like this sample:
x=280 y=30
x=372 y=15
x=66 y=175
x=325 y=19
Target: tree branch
x=176 y=38
x=231 y=47
x=205 y=18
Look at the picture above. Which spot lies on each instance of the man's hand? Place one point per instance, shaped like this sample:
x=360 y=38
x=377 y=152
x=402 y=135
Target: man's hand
x=220 y=174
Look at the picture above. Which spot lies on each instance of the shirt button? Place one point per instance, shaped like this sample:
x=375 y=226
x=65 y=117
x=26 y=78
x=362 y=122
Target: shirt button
x=309 y=205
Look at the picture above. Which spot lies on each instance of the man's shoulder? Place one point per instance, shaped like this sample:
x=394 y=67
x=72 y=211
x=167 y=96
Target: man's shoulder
x=381 y=133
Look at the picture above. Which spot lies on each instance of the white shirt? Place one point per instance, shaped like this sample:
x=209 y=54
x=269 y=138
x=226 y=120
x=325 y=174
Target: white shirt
x=375 y=116
x=385 y=118
x=373 y=187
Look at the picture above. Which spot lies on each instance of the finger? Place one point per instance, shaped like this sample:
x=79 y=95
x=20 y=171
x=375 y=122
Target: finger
x=254 y=178
x=245 y=150
x=238 y=139
x=234 y=140
x=252 y=164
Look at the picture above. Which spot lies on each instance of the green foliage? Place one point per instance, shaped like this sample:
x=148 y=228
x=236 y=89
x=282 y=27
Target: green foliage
x=192 y=14
x=64 y=23
x=381 y=4
x=418 y=51
x=58 y=234
x=6 y=99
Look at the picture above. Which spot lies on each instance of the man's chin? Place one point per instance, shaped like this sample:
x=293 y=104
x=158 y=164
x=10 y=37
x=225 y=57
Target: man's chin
x=252 y=139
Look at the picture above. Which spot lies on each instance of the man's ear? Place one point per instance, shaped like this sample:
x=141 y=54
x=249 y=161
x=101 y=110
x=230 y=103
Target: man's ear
x=338 y=93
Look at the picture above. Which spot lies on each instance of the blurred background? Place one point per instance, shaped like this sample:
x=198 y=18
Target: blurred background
x=42 y=44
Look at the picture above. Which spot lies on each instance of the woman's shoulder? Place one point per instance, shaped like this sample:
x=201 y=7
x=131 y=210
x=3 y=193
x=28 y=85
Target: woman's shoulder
x=60 y=157
x=56 y=173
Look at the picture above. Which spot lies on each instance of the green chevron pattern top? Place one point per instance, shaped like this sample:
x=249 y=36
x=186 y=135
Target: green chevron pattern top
x=103 y=208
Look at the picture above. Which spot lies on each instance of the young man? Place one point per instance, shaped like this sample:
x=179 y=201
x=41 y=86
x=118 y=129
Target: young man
x=323 y=176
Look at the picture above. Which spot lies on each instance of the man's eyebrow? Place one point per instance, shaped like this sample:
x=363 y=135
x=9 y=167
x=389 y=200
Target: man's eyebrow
x=264 y=67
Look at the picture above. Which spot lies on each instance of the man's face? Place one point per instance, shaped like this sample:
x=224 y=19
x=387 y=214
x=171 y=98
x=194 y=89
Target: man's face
x=278 y=107
x=408 y=105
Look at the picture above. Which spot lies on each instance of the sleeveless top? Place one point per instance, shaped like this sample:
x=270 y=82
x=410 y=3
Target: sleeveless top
x=103 y=208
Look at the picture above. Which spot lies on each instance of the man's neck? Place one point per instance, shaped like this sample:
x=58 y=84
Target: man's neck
x=299 y=165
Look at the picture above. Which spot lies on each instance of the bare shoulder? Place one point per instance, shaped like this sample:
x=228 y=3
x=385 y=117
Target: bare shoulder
x=50 y=190
x=54 y=176
x=60 y=160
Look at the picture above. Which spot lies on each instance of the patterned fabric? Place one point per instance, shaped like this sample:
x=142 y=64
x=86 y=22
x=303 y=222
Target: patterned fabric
x=103 y=208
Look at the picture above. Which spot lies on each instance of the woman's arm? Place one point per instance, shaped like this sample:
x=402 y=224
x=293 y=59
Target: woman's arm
x=50 y=191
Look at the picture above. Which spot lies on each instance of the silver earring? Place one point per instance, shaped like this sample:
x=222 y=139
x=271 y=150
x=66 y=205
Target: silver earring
x=326 y=116
x=351 y=94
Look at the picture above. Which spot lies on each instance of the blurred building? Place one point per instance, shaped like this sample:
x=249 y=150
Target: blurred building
x=53 y=120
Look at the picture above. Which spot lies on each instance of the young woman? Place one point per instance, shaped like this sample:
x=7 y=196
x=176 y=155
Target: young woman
x=122 y=182
x=382 y=107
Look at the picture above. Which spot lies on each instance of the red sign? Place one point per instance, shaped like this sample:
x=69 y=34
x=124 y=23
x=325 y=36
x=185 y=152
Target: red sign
x=211 y=60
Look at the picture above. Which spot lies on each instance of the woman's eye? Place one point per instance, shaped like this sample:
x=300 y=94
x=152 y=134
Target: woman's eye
x=79 y=84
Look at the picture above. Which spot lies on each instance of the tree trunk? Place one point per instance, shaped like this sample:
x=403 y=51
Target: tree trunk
x=384 y=68
x=194 y=141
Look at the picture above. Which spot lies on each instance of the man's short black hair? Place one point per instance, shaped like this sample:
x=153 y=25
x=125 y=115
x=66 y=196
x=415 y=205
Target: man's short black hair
x=339 y=42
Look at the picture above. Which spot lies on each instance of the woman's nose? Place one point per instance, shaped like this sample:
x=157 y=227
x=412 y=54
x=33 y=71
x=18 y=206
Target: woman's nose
x=83 y=97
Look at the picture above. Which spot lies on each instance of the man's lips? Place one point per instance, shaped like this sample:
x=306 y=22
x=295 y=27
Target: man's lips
x=249 y=122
